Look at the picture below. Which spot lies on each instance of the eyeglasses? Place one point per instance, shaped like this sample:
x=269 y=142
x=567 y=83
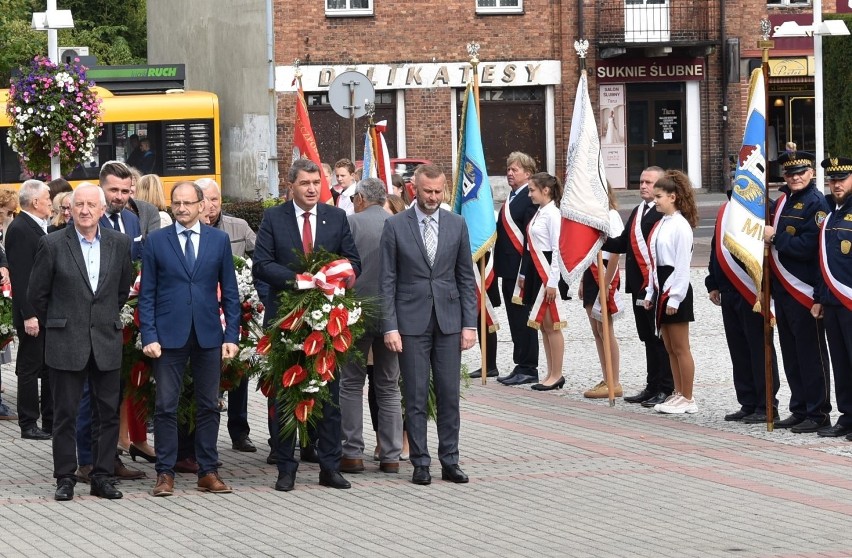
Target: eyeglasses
x=185 y=203
x=353 y=196
x=65 y=207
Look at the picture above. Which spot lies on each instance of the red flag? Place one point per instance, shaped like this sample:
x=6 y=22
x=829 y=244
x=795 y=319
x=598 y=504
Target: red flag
x=304 y=144
x=585 y=206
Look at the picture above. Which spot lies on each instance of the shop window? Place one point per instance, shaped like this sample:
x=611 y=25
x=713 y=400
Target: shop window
x=499 y=6
x=788 y=2
x=347 y=8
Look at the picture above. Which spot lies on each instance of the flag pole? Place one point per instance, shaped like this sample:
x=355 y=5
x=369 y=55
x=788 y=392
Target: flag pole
x=765 y=44
x=473 y=51
x=582 y=47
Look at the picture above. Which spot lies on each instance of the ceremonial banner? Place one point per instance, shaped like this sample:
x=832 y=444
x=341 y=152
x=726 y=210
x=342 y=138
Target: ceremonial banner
x=472 y=198
x=743 y=223
x=585 y=206
x=305 y=145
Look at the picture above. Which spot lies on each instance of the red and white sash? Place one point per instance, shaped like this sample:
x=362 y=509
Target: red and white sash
x=614 y=303
x=640 y=247
x=662 y=291
x=540 y=308
x=735 y=273
x=517 y=240
x=490 y=315
x=841 y=291
x=797 y=288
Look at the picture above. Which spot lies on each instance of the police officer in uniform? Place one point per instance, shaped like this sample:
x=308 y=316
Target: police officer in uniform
x=794 y=237
x=744 y=335
x=833 y=297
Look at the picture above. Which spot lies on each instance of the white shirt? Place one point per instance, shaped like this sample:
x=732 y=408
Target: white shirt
x=544 y=235
x=616 y=227
x=41 y=222
x=300 y=221
x=196 y=237
x=671 y=245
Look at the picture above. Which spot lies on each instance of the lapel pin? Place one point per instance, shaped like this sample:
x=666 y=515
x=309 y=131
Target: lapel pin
x=323 y=222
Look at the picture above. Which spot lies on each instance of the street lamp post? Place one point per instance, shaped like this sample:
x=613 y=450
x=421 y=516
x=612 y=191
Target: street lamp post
x=817 y=31
x=51 y=21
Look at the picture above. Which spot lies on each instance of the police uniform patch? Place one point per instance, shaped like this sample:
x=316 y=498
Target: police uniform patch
x=848 y=217
x=799 y=205
x=845 y=246
x=820 y=217
x=790 y=229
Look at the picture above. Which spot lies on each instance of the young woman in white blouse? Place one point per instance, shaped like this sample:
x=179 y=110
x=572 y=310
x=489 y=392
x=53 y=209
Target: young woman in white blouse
x=540 y=274
x=670 y=293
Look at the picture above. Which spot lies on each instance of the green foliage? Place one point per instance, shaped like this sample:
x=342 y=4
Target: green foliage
x=251 y=211
x=114 y=30
x=837 y=88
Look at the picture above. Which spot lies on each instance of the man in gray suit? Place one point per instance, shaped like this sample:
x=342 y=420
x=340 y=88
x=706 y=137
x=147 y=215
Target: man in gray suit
x=428 y=299
x=80 y=281
x=366 y=224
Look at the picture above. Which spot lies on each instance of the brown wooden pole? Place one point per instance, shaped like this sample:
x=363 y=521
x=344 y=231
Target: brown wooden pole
x=765 y=296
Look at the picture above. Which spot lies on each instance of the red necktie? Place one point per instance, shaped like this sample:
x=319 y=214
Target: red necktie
x=307 y=234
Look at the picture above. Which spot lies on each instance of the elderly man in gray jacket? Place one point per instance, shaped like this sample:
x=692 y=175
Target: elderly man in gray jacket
x=367 y=224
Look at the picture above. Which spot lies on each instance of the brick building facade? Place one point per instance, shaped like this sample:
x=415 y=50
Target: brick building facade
x=662 y=82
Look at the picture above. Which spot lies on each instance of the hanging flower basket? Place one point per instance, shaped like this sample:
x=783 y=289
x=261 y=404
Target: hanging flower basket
x=54 y=112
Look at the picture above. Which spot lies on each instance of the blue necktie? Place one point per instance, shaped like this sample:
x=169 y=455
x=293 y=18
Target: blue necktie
x=189 y=249
x=114 y=219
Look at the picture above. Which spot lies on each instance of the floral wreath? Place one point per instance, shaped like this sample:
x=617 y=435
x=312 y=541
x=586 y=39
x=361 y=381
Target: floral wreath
x=7 y=326
x=54 y=112
x=311 y=339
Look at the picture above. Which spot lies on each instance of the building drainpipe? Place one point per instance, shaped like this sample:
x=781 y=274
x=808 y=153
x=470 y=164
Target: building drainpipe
x=272 y=185
x=723 y=37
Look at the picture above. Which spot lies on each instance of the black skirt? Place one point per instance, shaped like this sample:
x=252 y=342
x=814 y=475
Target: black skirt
x=684 y=311
x=590 y=286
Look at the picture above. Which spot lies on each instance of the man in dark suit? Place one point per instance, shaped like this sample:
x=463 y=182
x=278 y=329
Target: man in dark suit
x=185 y=265
x=80 y=281
x=367 y=224
x=286 y=232
x=429 y=312
x=634 y=243
x=22 y=238
x=515 y=215
x=117 y=181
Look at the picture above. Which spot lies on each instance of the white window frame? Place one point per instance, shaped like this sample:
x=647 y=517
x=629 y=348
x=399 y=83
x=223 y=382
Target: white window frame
x=500 y=9
x=789 y=3
x=349 y=11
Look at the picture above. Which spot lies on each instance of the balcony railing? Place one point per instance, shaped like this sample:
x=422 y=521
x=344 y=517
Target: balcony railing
x=668 y=22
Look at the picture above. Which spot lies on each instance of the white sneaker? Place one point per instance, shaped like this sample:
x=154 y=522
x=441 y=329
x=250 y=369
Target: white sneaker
x=676 y=406
x=691 y=406
x=669 y=400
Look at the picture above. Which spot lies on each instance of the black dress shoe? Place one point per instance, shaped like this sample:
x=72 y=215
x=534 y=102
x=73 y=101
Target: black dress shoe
x=271 y=458
x=333 y=479
x=243 y=444
x=558 y=384
x=421 y=475
x=493 y=373
x=760 y=418
x=738 y=415
x=103 y=488
x=35 y=433
x=285 y=482
x=520 y=379
x=835 y=431
x=509 y=377
x=453 y=473
x=639 y=397
x=789 y=422
x=308 y=454
x=655 y=399
x=808 y=427
x=64 y=490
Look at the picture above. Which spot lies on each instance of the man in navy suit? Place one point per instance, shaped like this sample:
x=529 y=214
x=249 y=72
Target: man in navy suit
x=286 y=232
x=116 y=181
x=185 y=265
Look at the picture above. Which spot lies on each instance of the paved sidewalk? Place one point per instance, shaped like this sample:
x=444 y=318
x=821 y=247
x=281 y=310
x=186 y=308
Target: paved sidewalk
x=551 y=474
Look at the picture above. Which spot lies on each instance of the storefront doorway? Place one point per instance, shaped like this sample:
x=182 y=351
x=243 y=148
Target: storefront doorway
x=656 y=128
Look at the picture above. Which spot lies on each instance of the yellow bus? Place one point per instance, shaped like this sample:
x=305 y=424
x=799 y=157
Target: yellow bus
x=181 y=129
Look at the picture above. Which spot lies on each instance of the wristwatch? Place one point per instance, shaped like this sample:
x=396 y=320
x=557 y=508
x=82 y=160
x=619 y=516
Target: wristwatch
x=772 y=238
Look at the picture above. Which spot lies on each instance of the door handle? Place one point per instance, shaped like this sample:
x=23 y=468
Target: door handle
x=653 y=142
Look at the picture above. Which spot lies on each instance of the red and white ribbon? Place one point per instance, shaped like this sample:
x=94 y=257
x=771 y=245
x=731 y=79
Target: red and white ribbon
x=797 y=288
x=640 y=248
x=517 y=240
x=540 y=308
x=842 y=291
x=336 y=275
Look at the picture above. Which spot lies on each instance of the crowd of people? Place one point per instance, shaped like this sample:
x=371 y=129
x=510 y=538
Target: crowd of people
x=414 y=257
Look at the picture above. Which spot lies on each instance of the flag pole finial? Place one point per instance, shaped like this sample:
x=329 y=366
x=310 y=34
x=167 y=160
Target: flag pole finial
x=370 y=108
x=473 y=52
x=582 y=47
x=297 y=64
x=765 y=44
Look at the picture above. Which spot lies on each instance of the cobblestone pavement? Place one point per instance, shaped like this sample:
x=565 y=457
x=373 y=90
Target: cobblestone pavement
x=551 y=474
